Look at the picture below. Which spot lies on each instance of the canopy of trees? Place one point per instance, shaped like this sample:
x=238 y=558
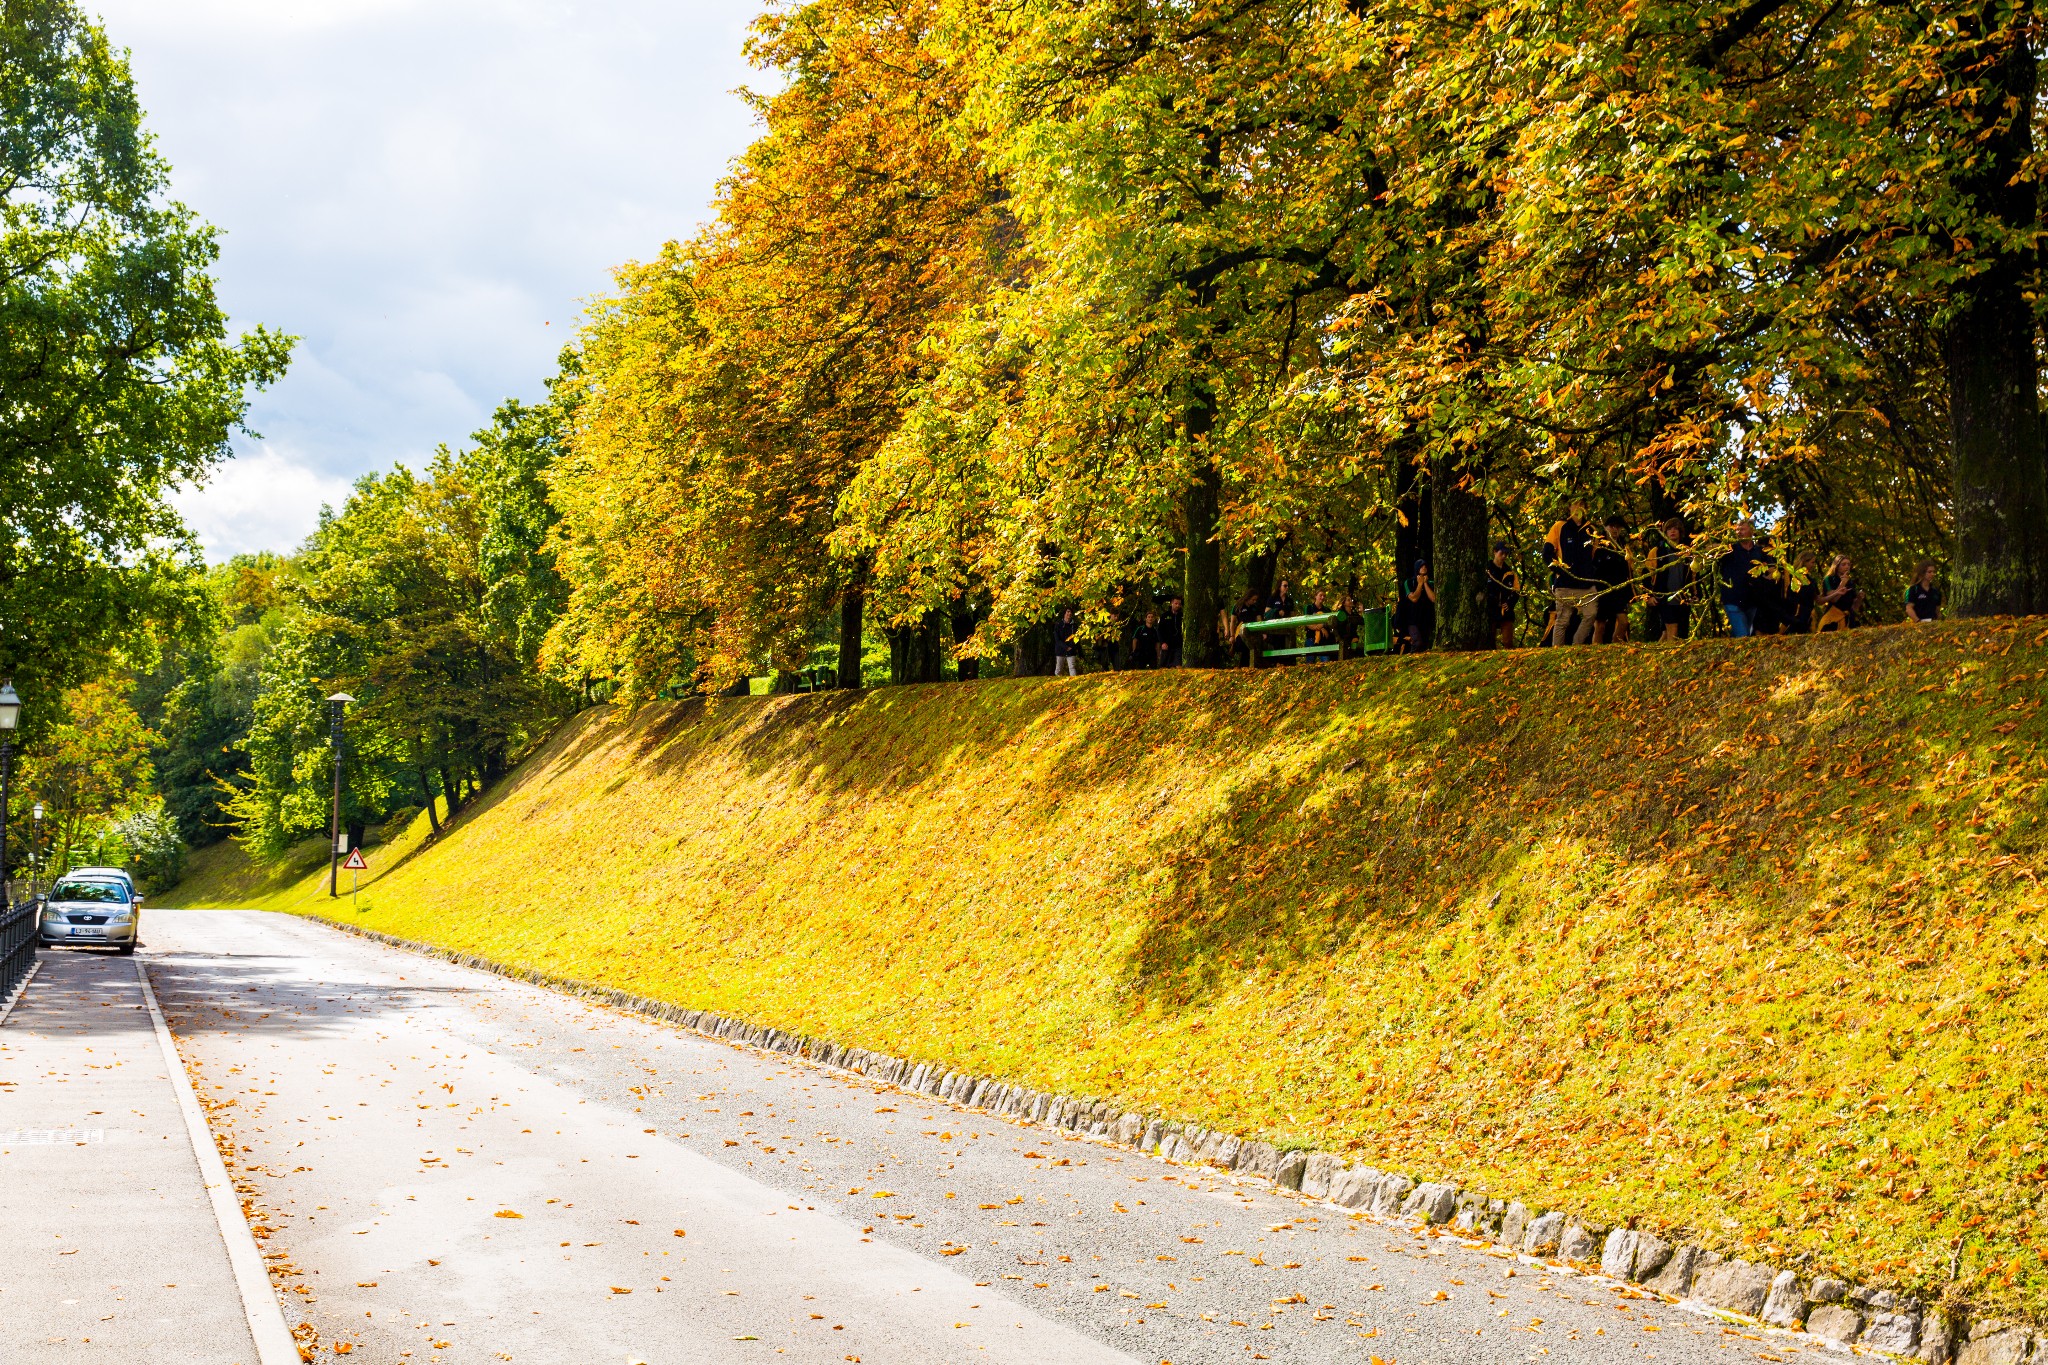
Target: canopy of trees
x=1091 y=300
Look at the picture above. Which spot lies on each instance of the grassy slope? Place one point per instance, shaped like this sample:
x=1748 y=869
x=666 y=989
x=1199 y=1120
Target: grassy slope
x=1739 y=938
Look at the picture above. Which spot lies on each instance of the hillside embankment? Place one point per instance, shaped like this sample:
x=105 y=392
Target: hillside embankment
x=1739 y=941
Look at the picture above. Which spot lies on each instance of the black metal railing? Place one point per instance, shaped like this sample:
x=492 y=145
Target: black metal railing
x=17 y=943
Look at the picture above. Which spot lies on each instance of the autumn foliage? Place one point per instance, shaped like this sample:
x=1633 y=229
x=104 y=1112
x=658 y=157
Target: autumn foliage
x=1016 y=306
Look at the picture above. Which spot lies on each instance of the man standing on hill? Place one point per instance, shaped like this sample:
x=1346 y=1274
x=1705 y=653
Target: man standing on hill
x=1065 y=657
x=1169 y=636
x=1569 y=548
x=1741 y=585
x=1612 y=571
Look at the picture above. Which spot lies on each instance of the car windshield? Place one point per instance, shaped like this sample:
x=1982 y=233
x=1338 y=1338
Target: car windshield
x=110 y=893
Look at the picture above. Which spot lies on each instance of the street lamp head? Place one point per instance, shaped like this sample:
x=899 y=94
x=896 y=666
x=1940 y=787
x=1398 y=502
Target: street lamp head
x=10 y=707
x=341 y=698
x=39 y=810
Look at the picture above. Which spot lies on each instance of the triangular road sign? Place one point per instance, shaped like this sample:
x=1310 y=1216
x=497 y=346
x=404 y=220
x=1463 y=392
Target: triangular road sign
x=355 y=862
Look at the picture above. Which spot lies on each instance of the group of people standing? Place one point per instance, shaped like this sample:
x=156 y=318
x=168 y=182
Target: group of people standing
x=1155 y=642
x=1597 y=576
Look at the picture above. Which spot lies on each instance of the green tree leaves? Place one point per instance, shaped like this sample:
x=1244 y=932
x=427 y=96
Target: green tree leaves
x=118 y=379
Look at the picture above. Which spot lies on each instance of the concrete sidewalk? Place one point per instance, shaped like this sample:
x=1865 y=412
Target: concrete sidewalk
x=112 y=1252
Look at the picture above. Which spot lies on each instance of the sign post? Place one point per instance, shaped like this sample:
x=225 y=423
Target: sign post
x=355 y=864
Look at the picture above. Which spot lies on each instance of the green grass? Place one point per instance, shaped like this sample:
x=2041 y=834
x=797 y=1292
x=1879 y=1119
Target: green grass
x=1739 y=940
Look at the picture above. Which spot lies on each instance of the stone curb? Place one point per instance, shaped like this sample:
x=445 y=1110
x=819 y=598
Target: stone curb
x=1832 y=1311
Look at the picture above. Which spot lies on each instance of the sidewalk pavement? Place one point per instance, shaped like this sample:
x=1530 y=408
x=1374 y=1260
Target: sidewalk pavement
x=111 y=1249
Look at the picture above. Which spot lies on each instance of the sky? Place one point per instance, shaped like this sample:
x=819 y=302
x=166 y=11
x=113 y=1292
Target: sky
x=426 y=193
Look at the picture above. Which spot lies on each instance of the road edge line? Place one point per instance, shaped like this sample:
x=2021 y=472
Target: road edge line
x=273 y=1338
x=7 y=1011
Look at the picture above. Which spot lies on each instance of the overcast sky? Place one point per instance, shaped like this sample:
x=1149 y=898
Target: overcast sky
x=423 y=191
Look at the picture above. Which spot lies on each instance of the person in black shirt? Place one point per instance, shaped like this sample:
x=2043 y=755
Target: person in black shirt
x=1923 y=599
x=1840 y=604
x=1169 y=636
x=1065 y=656
x=1611 y=571
x=1145 y=642
x=1740 y=585
x=1419 y=596
x=1243 y=646
x=1799 y=599
x=1503 y=595
x=1671 y=579
x=1569 y=548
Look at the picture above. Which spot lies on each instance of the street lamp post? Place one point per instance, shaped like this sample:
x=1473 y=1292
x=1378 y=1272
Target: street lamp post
x=35 y=853
x=10 y=716
x=335 y=704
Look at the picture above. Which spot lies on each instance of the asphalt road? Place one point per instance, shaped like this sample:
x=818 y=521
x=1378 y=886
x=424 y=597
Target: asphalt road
x=455 y=1167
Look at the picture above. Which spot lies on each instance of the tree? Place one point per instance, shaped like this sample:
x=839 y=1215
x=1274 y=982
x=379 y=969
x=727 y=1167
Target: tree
x=733 y=388
x=91 y=761
x=118 y=380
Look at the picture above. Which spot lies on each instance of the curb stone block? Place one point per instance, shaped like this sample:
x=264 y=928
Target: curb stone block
x=1471 y=1215
x=1581 y=1241
x=1440 y=1204
x=1833 y=1322
x=1827 y=1290
x=1785 y=1305
x=1288 y=1174
x=1393 y=1189
x=1514 y=1223
x=1937 y=1340
x=1618 y=1257
x=1543 y=1234
x=1154 y=1130
x=1893 y=1333
x=1994 y=1343
x=1315 y=1177
x=1227 y=1150
x=1353 y=1189
x=1261 y=1158
x=1735 y=1286
x=1674 y=1276
x=1128 y=1129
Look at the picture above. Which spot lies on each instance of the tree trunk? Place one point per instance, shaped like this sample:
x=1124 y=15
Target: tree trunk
x=1260 y=571
x=2000 y=492
x=852 y=603
x=357 y=828
x=1031 y=652
x=433 y=816
x=1201 y=584
x=1458 y=563
x=966 y=617
x=915 y=652
x=1414 y=531
x=454 y=792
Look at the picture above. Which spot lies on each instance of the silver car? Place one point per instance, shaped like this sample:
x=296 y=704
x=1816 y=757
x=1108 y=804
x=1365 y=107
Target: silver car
x=93 y=907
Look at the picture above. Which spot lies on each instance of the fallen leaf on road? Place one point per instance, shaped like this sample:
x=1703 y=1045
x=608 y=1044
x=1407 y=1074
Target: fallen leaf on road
x=679 y=1232
x=1438 y=1297
x=617 y=1290
x=507 y=1213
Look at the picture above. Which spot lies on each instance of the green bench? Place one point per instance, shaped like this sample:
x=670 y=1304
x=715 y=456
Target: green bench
x=1375 y=635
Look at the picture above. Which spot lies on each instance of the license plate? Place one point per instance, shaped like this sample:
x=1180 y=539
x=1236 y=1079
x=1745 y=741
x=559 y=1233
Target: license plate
x=77 y=932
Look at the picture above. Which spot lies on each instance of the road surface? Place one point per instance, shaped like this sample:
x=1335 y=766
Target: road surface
x=453 y=1167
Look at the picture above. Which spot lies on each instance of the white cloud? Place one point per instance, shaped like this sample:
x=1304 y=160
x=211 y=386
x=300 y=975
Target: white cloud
x=263 y=499
x=425 y=191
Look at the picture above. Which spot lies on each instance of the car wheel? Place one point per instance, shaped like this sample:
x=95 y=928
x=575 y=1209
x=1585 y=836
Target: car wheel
x=127 y=950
